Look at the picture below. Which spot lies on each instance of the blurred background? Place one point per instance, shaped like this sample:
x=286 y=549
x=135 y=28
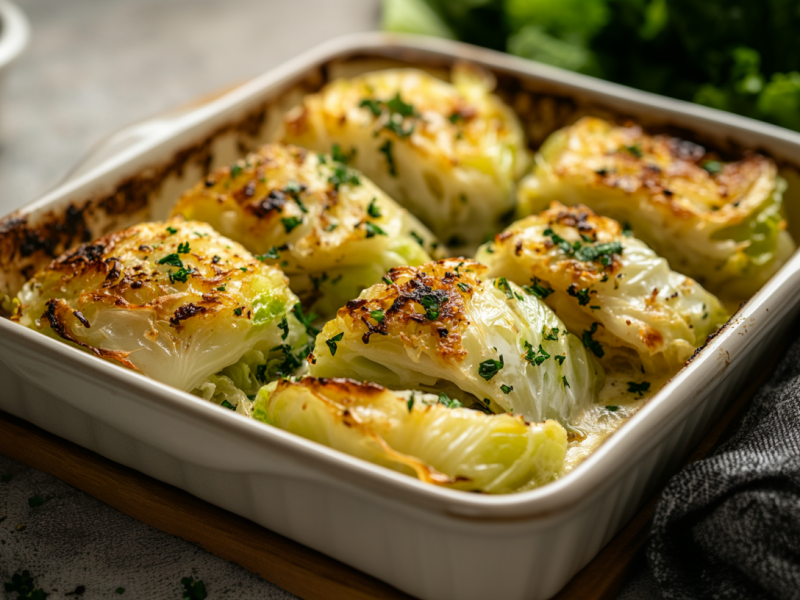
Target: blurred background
x=94 y=66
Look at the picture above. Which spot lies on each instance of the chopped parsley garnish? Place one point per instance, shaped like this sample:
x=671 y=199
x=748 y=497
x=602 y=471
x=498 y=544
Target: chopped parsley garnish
x=306 y=320
x=410 y=403
x=180 y=275
x=38 y=500
x=183 y=248
x=560 y=358
x=172 y=231
x=339 y=156
x=373 y=230
x=294 y=188
x=507 y=389
x=417 y=238
x=290 y=223
x=331 y=227
x=612 y=408
x=552 y=336
x=377 y=315
x=221 y=288
x=387 y=281
x=373 y=210
x=300 y=205
x=396 y=105
x=238 y=311
x=712 y=167
x=534 y=356
x=284 y=326
x=455 y=117
x=228 y=405
x=581 y=295
x=332 y=342
x=215 y=259
x=590 y=253
x=172 y=260
x=445 y=399
x=396 y=126
x=564 y=380
x=373 y=105
x=272 y=254
x=591 y=343
x=489 y=368
x=243 y=269
x=463 y=287
x=634 y=150
x=561 y=242
x=501 y=284
x=638 y=388
x=193 y=590
x=386 y=150
x=343 y=176
x=537 y=289
x=22 y=583
x=626 y=230
x=432 y=305
x=290 y=362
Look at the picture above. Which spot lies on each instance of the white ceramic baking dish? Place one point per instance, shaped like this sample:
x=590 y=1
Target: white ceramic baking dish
x=430 y=542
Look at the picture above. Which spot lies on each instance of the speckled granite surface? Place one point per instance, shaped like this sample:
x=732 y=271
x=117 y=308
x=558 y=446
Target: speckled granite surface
x=94 y=66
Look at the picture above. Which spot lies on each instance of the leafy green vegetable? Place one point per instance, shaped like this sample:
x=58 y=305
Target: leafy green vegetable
x=735 y=56
x=193 y=590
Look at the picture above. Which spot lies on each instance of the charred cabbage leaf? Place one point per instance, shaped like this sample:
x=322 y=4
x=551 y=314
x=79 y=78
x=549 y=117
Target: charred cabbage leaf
x=607 y=286
x=418 y=434
x=450 y=153
x=440 y=327
x=329 y=228
x=175 y=301
x=718 y=222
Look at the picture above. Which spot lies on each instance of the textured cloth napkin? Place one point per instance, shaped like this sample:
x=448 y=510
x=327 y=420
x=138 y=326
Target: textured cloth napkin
x=729 y=526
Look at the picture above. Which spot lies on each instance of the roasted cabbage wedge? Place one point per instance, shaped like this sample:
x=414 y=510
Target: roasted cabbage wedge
x=606 y=286
x=718 y=222
x=329 y=228
x=418 y=434
x=441 y=328
x=449 y=152
x=173 y=300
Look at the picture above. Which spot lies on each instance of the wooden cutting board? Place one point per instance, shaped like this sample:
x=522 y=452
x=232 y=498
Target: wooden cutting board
x=299 y=570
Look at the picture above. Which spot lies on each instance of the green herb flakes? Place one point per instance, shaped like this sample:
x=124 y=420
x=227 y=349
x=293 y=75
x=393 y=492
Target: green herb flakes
x=290 y=223
x=193 y=590
x=507 y=389
x=489 y=368
x=591 y=343
x=284 y=327
x=332 y=342
x=172 y=260
x=638 y=388
x=537 y=289
x=373 y=210
x=377 y=315
x=183 y=248
x=228 y=405
x=386 y=150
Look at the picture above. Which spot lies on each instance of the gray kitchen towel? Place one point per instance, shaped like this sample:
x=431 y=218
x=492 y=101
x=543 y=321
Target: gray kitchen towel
x=729 y=526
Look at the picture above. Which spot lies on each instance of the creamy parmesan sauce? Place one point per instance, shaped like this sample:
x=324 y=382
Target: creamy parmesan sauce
x=592 y=426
